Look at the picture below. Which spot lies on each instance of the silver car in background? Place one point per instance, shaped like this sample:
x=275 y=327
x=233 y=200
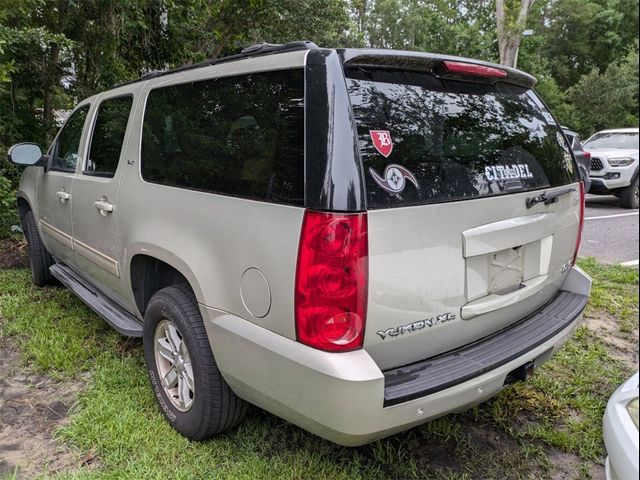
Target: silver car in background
x=583 y=158
x=621 y=432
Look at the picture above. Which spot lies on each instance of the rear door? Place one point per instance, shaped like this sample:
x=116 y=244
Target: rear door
x=95 y=198
x=457 y=252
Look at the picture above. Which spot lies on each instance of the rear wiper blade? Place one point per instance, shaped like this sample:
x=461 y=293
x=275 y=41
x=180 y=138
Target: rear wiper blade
x=548 y=198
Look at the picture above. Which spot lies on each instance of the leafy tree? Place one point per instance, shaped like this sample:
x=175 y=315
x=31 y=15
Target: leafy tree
x=457 y=27
x=609 y=99
x=585 y=34
x=204 y=29
x=34 y=55
x=55 y=52
x=8 y=212
x=325 y=22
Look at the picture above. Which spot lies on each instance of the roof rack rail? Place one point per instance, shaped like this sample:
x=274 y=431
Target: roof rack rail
x=256 y=50
x=151 y=74
x=264 y=48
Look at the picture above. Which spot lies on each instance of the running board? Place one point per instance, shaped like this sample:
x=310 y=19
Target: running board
x=114 y=314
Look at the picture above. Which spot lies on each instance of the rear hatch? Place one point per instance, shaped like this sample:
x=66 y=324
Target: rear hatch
x=459 y=245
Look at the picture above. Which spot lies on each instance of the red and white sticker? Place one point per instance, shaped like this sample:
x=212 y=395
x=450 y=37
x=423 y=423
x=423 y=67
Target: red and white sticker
x=382 y=141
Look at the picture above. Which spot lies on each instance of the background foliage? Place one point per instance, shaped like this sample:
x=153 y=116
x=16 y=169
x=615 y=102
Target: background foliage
x=55 y=52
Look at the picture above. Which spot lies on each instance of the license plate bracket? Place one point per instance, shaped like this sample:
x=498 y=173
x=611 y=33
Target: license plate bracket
x=506 y=270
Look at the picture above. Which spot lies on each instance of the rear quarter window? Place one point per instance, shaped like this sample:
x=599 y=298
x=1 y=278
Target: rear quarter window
x=452 y=140
x=239 y=135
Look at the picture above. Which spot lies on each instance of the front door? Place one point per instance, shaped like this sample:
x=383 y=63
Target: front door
x=95 y=198
x=55 y=188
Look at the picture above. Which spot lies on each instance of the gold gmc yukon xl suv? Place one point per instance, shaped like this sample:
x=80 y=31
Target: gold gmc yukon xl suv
x=357 y=241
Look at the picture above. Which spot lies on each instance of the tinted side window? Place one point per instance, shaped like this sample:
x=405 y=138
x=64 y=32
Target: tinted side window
x=241 y=135
x=65 y=152
x=108 y=135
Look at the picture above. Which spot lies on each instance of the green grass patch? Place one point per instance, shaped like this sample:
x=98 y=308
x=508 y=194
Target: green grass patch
x=564 y=403
x=615 y=291
x=56 y=333
x=116 y=418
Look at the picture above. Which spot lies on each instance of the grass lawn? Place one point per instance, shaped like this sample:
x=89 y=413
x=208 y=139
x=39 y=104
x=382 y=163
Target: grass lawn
x=549 y=427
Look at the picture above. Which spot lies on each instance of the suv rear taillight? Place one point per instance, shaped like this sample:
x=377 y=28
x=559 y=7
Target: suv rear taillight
x=579 y=238
x=331 y=281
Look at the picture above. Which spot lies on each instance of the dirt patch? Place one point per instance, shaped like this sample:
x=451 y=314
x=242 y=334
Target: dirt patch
x=567 y=466
x=13 y=253
x=622 y=346
x=487 y=451
x=604 y=324
x=32 y=407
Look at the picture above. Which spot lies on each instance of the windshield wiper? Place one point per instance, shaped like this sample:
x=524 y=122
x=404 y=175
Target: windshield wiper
x=548 y=198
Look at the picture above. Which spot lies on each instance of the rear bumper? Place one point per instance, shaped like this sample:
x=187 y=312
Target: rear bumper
x=612 y=178
x=435 y=374
x=599 y=187
x=341 y=397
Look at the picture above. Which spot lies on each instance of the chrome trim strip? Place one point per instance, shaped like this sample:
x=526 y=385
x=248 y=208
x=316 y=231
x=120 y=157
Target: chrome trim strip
x=99 y=258
x=57 y=234
x=90 y=253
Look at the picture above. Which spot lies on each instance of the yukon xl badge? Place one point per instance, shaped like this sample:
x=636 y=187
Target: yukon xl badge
x=415 y=326
x=394 y=179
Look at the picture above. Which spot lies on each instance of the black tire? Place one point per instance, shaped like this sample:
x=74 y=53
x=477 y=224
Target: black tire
x=629 y=195
x=215 y=407
x=39 y=259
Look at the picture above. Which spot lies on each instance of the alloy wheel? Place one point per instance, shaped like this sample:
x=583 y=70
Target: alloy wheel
x=174 y=365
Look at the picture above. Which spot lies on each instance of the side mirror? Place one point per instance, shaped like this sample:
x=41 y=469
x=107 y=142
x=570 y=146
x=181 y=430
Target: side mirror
x=25 y=154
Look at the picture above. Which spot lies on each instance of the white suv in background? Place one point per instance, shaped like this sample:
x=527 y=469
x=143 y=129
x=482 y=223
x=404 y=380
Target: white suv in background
x=614 y=164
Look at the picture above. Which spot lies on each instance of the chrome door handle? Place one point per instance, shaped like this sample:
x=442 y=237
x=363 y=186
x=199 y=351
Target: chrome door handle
x=63 y=196
x=104 y=207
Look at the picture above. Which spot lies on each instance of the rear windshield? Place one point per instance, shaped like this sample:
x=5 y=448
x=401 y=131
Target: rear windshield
x=425 y=140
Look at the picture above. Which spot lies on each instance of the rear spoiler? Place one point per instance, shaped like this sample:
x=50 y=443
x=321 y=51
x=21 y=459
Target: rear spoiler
x=435 y=64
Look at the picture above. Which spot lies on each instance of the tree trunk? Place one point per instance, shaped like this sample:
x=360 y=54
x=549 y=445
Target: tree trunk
x=52 y=76
x=510 y=28
x=360 y=8
x=51 y=79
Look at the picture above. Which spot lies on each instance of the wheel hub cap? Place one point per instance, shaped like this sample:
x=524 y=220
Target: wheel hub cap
x=174 y=365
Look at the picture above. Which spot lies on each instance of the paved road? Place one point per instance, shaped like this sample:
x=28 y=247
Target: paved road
x=610 y=232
